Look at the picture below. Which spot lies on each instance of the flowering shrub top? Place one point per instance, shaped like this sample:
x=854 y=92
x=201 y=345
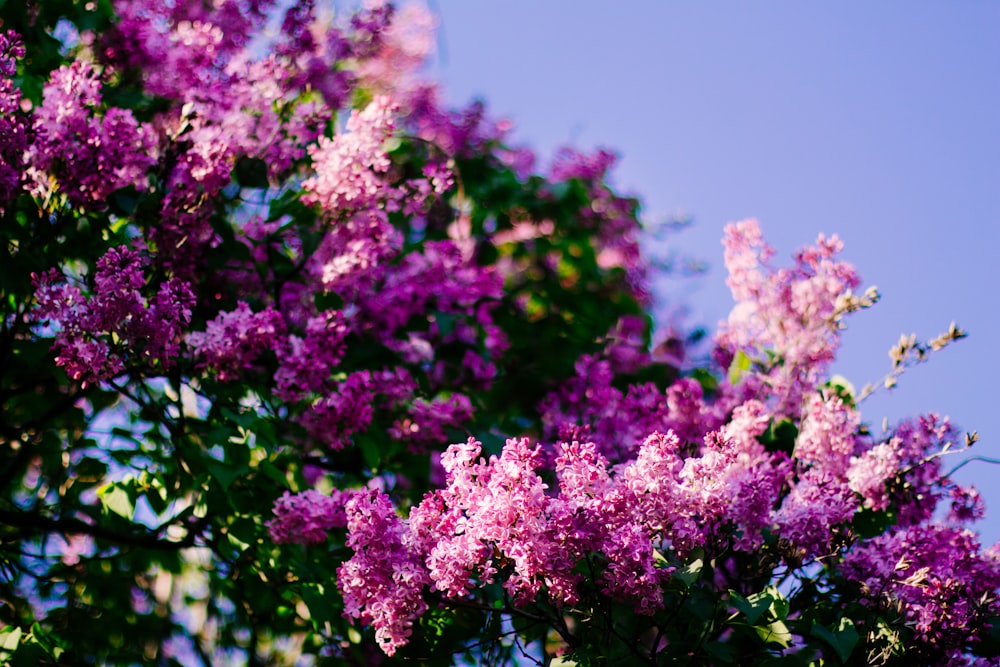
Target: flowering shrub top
x=256 y=286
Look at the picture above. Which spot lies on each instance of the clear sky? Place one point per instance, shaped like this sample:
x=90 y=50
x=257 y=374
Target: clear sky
x=876 y=121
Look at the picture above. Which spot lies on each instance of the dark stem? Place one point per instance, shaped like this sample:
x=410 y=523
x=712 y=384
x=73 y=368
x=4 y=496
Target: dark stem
x=36 y=522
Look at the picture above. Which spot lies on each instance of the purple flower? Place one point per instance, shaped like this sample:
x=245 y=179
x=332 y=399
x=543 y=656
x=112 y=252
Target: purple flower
x=946 y=586
x=305 y=518
x=85 y=153
x=16 y=128
x=232 y=341
x=346 y=410
x=117 y=323
x=817 y=504
x=305 y=364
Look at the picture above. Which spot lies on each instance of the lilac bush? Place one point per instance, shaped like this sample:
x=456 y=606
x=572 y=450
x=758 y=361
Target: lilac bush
x=301 y=365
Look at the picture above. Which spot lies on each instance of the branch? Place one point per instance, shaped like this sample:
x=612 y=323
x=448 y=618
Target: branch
x=36 y=522
x=982 y=459
x=909 y=352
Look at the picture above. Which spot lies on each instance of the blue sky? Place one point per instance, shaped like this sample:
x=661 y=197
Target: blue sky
x=876 y=121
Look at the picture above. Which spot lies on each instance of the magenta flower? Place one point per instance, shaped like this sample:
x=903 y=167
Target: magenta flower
x=382 y=582
x=81 y=149
x=117 y=323
x=305 y=518
x=232 y=341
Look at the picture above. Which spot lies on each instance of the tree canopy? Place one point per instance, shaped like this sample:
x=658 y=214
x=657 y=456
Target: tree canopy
x=300 y=365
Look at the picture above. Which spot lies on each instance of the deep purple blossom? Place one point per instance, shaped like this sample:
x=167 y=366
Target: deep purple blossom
x=117 y=322
x=82 y=149
x=944 y=583
x=808 y=518
x=16 y=128
x=233 y=340
x=305 y=364
x=305 y=518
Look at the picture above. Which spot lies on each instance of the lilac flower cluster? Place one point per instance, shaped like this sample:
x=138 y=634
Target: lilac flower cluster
x=16 y=129
x=305 y=364
x=181 y=48
x=589 y=406
x=346 y=410
x=382 y=583
x=350 y=168
x=496 y=520
x=426 y=422
x=82 y=150
x=438 y=279
x=307 y=518
x=225 y=107
x=794 y=313
x=938 y=578
x=645 y=477
x=230 y=106
x=233 y=340
x=768 y=463
x=116 y=325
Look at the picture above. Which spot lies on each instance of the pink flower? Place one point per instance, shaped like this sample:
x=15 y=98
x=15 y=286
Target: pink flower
x=793 y=313
x=382 y=582
x=828 y=433
x=349 y=169
x=869 y=474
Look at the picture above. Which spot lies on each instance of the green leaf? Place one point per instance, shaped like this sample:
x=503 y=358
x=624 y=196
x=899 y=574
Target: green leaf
x=237 y=543
x=779 y=604
x=752 y=607
x=869 y=523
x=780 y=436
x=46 y=641
x=740 y=365
x=843 y=638
x=989 y=643
x=775 y=632
x=328 y=301
x=317 y=600
x=115 y=498
x=709 y=383
x=370 y=452
x=242 y=418
x=563 y=662
x=770 y=600
x=843 y=388
x=445 y=322
x=689 y=573
x=722 y=652
x=90 y=469
x=225 y=473
x=9 y=639
x=273 y=473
